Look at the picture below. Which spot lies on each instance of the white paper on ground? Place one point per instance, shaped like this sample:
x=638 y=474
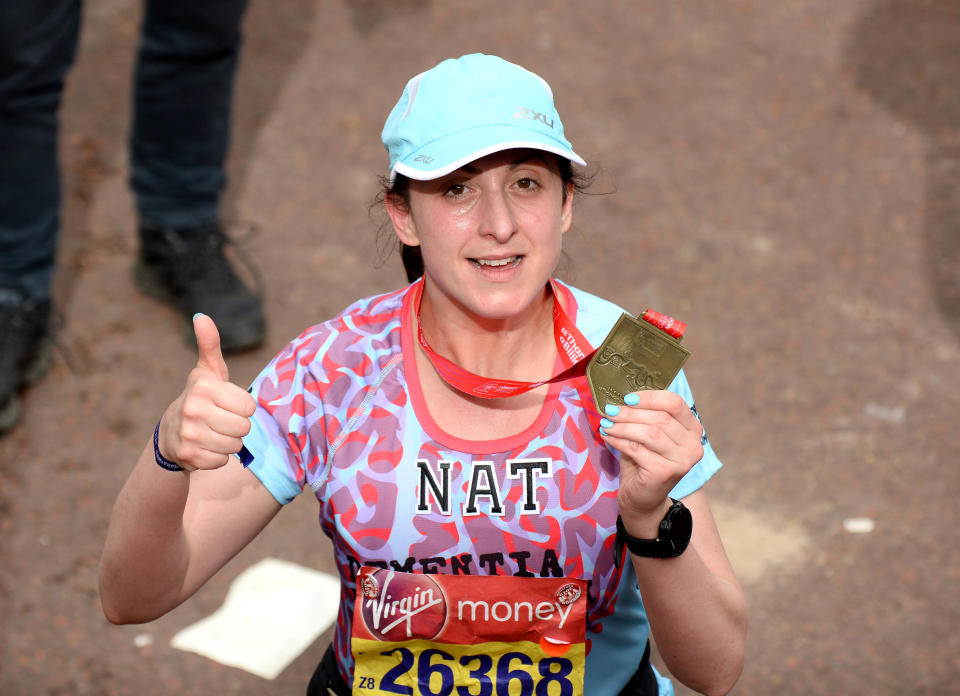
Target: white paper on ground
x=274 y=611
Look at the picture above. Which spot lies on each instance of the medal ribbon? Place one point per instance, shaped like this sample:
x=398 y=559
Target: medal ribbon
x=574 y=351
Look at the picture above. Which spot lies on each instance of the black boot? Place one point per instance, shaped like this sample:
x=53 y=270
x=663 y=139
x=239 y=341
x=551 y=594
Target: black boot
x=24 y=349
x=187 y=268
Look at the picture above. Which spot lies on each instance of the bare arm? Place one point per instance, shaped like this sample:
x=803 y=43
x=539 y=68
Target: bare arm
x=696 y=607
x=170 y=531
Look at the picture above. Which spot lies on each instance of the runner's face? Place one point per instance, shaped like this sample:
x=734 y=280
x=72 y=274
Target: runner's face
x=490 y=232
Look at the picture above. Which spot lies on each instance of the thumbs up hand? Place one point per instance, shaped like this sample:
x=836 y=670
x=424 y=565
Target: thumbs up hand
x=205 y=424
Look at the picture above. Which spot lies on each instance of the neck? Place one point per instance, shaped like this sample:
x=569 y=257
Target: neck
x=520 y=346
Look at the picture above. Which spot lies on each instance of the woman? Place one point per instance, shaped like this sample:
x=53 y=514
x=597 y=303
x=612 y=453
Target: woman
x=454 y=513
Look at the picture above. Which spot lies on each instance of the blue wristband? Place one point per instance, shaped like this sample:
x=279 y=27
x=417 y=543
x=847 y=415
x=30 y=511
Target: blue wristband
x=161 y=460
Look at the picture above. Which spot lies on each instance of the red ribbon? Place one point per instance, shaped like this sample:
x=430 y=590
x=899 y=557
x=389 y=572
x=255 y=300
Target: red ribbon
x=575 y=352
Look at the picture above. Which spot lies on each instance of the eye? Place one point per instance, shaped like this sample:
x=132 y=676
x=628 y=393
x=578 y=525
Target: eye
x=526 y=183
x=455 y=190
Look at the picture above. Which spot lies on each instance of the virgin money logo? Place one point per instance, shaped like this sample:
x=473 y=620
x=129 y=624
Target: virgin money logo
x=401 y=606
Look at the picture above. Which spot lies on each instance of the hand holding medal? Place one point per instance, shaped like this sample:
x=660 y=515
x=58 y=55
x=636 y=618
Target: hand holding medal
x=655 y=431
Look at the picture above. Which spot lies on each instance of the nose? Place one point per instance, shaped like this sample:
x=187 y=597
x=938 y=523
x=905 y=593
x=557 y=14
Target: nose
x=497 y=219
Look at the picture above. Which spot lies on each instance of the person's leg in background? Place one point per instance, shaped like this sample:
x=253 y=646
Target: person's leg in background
x=38 y=40
x=183 y=91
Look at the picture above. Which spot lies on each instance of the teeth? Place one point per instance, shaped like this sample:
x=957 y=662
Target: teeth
x=498 y=262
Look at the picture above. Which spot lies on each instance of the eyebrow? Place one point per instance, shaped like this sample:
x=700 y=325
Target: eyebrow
x=471 y=169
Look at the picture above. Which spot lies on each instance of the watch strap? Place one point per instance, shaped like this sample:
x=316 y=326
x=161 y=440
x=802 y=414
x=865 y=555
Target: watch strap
x=666 y=545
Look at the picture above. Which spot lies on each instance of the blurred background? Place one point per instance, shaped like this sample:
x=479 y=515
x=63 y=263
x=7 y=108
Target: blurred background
x=784 y=177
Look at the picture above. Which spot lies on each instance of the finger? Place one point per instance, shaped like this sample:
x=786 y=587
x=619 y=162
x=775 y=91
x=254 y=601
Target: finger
x=649 y=466
x=654 y=438
x=210 y=451
x=208 y=346
x=215 y=443
x=207 y=459
x=662 y=400
x=232 y=398
x=195 y=454
x=650 y=419
x=227 y=423
x=639 y=463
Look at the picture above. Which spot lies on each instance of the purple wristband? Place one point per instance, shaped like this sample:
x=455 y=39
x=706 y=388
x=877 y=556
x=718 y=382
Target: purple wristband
x=161 y=460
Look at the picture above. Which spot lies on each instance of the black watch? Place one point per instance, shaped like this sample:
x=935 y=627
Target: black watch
x=672 y=537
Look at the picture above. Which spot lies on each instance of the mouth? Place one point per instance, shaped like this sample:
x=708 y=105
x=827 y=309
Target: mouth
x=498 y=264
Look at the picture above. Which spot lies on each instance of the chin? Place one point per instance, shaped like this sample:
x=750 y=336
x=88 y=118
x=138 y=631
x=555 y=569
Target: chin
x=506 y=304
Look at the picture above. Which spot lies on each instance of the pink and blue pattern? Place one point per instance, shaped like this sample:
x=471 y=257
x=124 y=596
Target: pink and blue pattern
x=340 y=412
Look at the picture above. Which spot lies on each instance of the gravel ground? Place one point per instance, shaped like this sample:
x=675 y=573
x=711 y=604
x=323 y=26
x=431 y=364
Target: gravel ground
x=782 y=176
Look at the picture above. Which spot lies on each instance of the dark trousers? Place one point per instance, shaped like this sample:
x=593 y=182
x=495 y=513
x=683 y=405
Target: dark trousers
x=326 y=680
x=183 y=83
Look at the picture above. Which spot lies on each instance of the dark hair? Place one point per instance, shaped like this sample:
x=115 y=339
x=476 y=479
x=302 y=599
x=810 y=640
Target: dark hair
x=410 y=255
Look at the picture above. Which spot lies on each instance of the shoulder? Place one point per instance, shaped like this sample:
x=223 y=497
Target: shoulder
x=595 y=316
x=355 y=339
x=370 y=316
x=364 y=320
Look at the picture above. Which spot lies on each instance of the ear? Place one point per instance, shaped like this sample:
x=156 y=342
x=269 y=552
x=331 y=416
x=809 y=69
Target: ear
x=566 y=213
x=402 y=219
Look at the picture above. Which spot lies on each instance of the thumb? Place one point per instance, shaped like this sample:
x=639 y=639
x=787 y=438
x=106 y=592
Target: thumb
x=208 y=346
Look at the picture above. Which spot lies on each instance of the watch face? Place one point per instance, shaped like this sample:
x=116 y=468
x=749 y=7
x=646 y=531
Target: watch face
x=680 y=528
x=672 y=540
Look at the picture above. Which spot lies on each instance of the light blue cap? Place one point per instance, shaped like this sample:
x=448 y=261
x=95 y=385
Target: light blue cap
x=466 y=108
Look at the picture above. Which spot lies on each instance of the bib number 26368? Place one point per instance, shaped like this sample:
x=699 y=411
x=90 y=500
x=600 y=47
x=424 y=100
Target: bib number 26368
x=436 y=671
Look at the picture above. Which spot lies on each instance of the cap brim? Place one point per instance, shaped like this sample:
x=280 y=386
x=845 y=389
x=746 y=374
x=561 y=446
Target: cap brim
x=454 y=151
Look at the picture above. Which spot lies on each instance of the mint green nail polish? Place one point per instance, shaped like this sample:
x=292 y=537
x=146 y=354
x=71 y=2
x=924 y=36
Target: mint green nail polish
x=603 y=431
x=631 y=399
x=198 y=314
x=611 y=409
x=606 y=423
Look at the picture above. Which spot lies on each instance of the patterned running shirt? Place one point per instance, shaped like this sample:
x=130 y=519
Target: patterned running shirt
x=340 y=412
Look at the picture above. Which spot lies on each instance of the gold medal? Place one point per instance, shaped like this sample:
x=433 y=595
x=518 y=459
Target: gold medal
x=634 y=356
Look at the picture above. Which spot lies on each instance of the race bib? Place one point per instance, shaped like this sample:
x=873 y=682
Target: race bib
x=463 y=635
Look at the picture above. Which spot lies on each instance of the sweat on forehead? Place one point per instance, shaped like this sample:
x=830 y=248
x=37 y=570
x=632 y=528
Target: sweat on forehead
x=466 y=108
